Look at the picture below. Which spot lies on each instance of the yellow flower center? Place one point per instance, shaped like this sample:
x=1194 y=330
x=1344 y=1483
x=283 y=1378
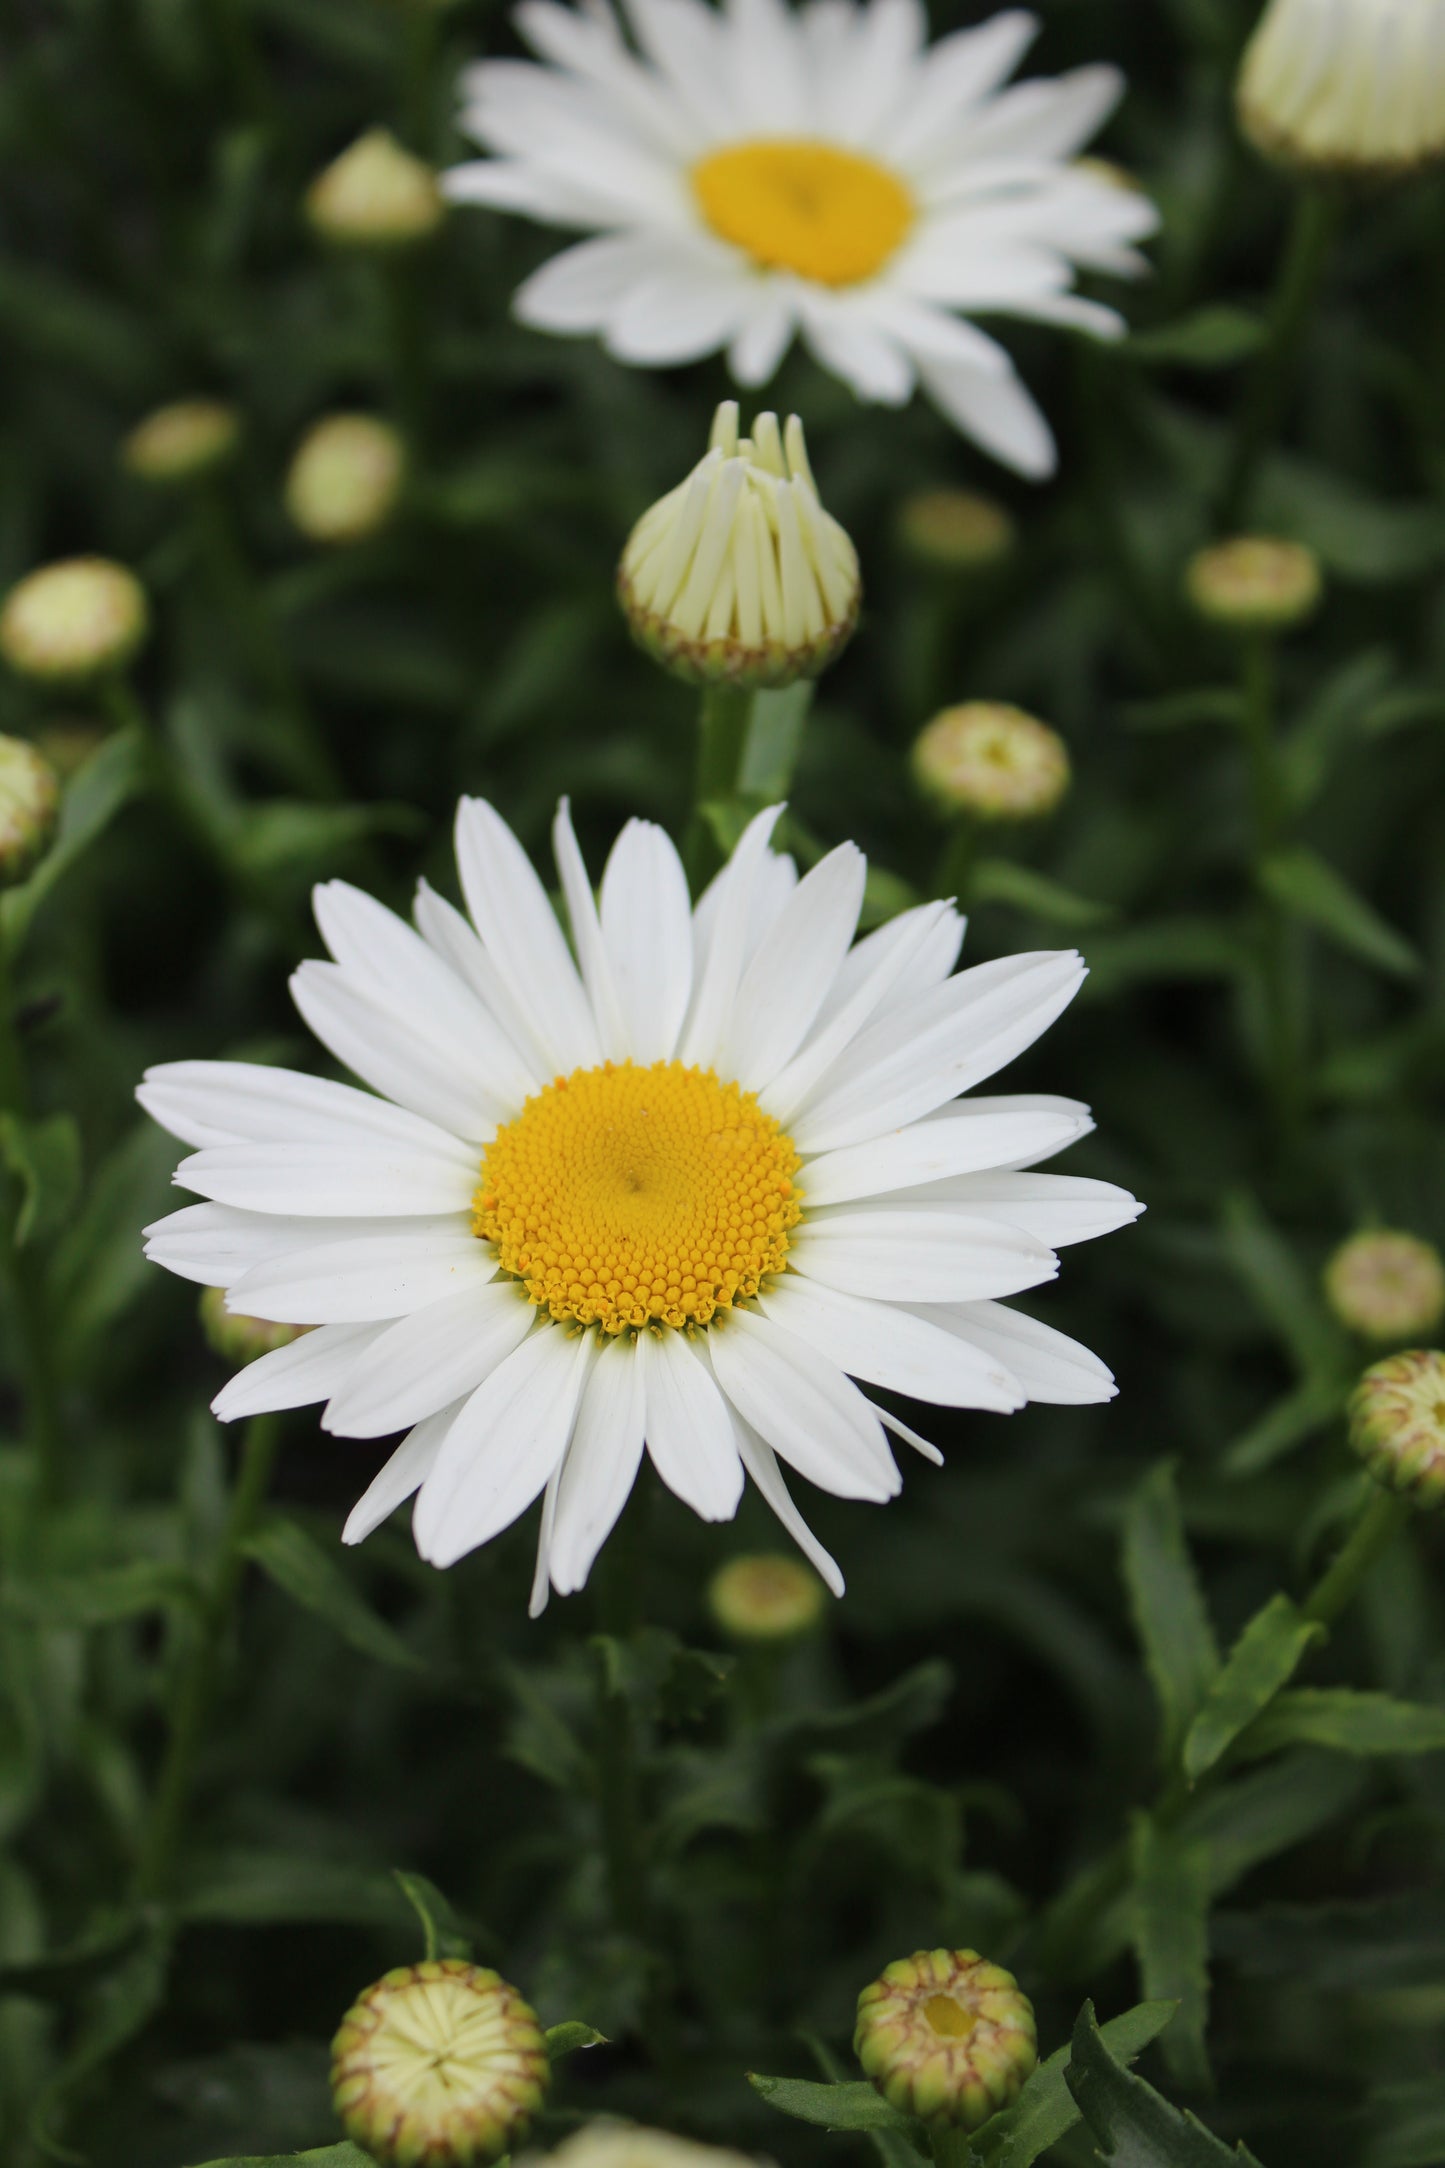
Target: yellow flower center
x=624 y=1197
x=808 y=207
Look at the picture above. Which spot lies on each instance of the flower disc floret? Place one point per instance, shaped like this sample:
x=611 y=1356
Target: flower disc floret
x=1397 y=1423
x=1386 y=1285
x=799 y=205
x=625 y=1196
x=947 y=2036
x=439 y=2065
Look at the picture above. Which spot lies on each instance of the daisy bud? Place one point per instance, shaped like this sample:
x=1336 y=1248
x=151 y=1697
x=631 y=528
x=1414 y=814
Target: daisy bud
x=78 y=619
x=1386 y=1285
x=181 y=442
x=955 y=530
x=1346 y=86
x=769 y=1597
x=375 y=195
x=345 y=478
x=738 y=576
x=238 y=1339
x=1254 y=583
x=991 y=760
x=439 y=2063
x=1397 y=1423
x=605 y=2144
x=29 y=807
x=946 y=2036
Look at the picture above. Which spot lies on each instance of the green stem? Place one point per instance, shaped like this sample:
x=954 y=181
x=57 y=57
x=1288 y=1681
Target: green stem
x=198 y=1685
x=421 y=34
x=400 y=276
x=235 y=38
x=1282 y=1032
x=950 y=2147
x=23 y=1286
x=953 y=873
x=724 y=717
x=1384 y=1514
x=1301 y=269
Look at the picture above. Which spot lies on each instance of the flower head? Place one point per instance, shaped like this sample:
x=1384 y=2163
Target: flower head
x=81 y=618
x=608 y=2144
x=375 y=195
x=755 y=172
x=769 y=1597
x=29 y=809
x=1386 y=1285
x=946 y=2036
x=955 y=530
x=345 y=479
x=1254 y=583
x=180 y=443
x=1346 y=86
x=1397 y=1423
x=738 y=576
x=664 y=1197
x=439 y=2065
x=992 y=761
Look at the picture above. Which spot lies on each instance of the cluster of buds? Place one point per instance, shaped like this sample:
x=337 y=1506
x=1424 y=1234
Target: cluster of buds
x=768 y=1597
x=1352 y=87
x=1254 y=583
x=1386 y=1285
x=1397 y=1424
x=946 y=2036
x=991 y=762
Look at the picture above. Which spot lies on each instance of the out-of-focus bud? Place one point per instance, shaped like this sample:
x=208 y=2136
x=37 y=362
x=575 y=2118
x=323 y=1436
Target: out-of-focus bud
x=738 y=576
x=182 y=442
x=770 y=1597
x=1254 y=583
x=607 y=2144
x=345 y=479
x=955 y=530
x=68 y=741
x=1386 y=1285
x=81 y=618
x=947 y=2036
x=991 y=761
x=441 y=2064
x=1355 y=87
x=29 y=808
x=1397 y=1423
x=375 y=195
x=238 y=1339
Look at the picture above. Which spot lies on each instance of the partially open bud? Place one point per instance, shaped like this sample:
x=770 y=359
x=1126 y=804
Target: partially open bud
x=440 y=2063
x=1346 y=86
x=992 y=761
x=346 y=478
x=238 y=1339
x=770 y=1597
x=1254 y=583
x=1397 y=1423
x=29 y=808
x=375 y=195
x=946 y=2036
x=738 y=576
x=182 y=442
x=955 y=530
x=1386 y=1285
x=78 y=619
x=606 y=2144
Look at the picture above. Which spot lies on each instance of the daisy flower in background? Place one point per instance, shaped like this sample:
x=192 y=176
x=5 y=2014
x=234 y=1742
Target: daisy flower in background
x=674 y=1196
x=753 y=173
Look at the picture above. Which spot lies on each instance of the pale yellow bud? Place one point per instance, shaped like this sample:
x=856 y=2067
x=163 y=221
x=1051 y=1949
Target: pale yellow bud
x=78 y=619
x=239 y=1339
x=181 y=442
x=991 y=761
x=1386 y=1285
x=1354 y=87
x=345 y=479
x=608 y=2144
x=375 y=195
x=946 y=2036
x=1397 y=1423
x=29 y=808
x=956 y=530
x=770 y=1597
x=1254 y=583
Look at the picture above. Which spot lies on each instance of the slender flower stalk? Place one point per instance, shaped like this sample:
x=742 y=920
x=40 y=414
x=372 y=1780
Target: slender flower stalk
x=1301 y=273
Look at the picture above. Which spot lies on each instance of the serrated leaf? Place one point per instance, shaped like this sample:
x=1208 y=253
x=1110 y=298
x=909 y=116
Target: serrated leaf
x=1171 y=1938
x=1003 y=880
x=345 y=2155
x=1044 y=2111
x=1217 y=336
x=313 y=1579
x=1133 y=2124
x=44 y=1156
x=1262 y=1660
x=1302 y=883
x=566 y=2039
x=851 y=2106
x=113 y=775
x=440 y=1928
x=1346 y=1722
x=1167 y=1606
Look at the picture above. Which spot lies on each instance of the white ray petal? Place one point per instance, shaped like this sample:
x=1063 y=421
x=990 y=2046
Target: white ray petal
x=710 y=1015
x=238 y=1102
x=689 y=1436
x=601 y=1464
x=761 y=1464
x=587 y=934
x=964 y=1141
x=803 y=1405
x=1050 y=1366
x=880 y=1343
x=405 y=1472
x=786 y=983
x=926 y=1253
x=366 y=1277
x=511 y=912
x=647 y=934
x=309 y=1369
x=417 y=1071
x=340 y=1180
x=1053 y=1208
x=503 y=1446
x=437 y=1355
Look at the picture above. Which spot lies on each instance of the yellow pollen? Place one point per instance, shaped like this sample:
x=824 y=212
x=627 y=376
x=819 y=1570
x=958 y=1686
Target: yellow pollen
x=797 y=205
x=625 y=1197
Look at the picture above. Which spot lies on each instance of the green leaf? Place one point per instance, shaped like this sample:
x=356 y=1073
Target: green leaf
x=774 y=741
x=1213 y=704
x=44 y=1156
x=1171 y=1938
x=1044 y=2111
x=1346 y=1722
x=443 y=1935
x=566 y=2039
x=1361 y=537
x=1302 y=884
x=1262 y=1660
x=120 y=2003
x=112 y=776
x=242 y=1887
x=852 y=2106
x=1169 y=948
x=1167 y=1606
x=299 y=839
x=1256 y=1817
x=310 y=1577
x=1405 y=2124
x=885 y=894
x=345 y=2155
x=103 y=1595
x=1214 y=337
x=1299 y=1415
x=1358 y=1948
x=1283 y=1292
x=882 y=1723
x=1133 y=2124
x=1001 y=880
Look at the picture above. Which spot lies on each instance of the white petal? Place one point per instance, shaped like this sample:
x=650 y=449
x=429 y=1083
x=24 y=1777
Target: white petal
x=601 y=1464
x=1048 y=119
x=847 y=339
x=503 y=1446
x=647 y=934
x=442 y=926
x=931 y=1253
x=307 y=1370
x=366 y=1277
x=511 y=911
x=241 y=1102
x=712 y=1003
x=343 y=1180
x=1054 y=1208
x=214 y=1243
x=920 y=1444
x=1050 y=1366
x=688 y=307
x=405 y=1472
x=425 y=1361
x=803 y=1405
x=587 y=934
x=966 y=1140
x=785 y=984
x=884 y=1345
x=537 y=1601
x=996 y=412
x=580 y=290
x=765 y=334
x=762 y=1465
x=590 y=45
x=411 y=1069
x=953 y=76
x=689 y=1436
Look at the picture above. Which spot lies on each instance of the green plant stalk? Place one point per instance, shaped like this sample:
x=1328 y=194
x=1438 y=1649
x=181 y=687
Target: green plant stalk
x=1302 y=266
x=950 y=2146
x=161 y=1835
x=725 y=715
x=1283 y=1034
x=399 y=274
x=23 y=1285
x=953 y=873
x=1384 y=1515
x=236 y=42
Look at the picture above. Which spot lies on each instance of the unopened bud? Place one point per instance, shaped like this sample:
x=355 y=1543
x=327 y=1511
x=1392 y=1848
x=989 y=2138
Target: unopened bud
x=238 y=1339
x=1353 y=87
x=738 y=576
x=947 y=2036
x=375 y=195
x=992 y=761
x=608 y=2144
x=1397 y=1423
x=346 y=478
x=182 y=442
x=1386 y=1285
x=84 y=617
x=770 y=1597
x=441 y=2064
x=1254 y=583
x=29 y=808
x=955 y=530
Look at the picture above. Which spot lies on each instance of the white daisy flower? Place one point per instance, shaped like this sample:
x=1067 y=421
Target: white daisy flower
x=671 y=1197
x=753 y=173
